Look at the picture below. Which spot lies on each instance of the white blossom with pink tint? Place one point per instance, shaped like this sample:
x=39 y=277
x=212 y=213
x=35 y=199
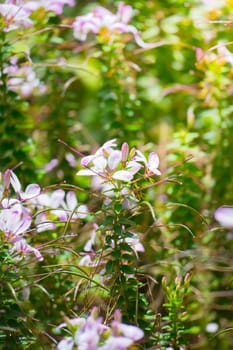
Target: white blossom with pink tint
x=14 y=17
x=23 y=79
x=224 y=215
x=110 y=164
x=100 y=20
x=73 y=211
x=55 y=6
x=225 y=54
x=14 y=222
x=16 y=215
x=134 y=243
x=31 y=191
x=151 y=165
x=63 y=205
x=92 y=334
x=22 y=247
x=66 y=344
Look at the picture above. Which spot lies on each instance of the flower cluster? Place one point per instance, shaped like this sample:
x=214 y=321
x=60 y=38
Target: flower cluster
x=91 y=334
x=111 y=166
x=15 y=214
x=102 y=21
x=16 y=13
x=63 y=206
x=224 y=215
x=55 y=6
x=14 y=16
x=23 y=79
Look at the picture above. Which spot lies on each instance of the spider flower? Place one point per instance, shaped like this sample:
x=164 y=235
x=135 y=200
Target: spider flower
x=110 y=164
x=102 y=21
x=14 y=17
x=55 y=6
x=92 y=334
x=107 y=164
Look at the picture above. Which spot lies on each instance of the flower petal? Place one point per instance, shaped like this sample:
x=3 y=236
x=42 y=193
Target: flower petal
x=31 y=191
x=123 y=175
x=114 y=159
x=224 y=215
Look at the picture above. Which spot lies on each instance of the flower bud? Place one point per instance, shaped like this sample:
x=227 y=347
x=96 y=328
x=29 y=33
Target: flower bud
x=124 y=152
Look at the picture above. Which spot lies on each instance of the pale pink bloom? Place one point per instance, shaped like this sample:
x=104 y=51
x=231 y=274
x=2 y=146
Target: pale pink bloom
x=224 y=215
x=72 y=209
x=88 y=340
x=23 y=80
x=22 y=247
x=123 y=175
x=124 y=13
x=132 y=332
x=102 y=19
x=51 y=200
x=151 y=165
x=86 y=261
x=135 y=243
x=105 y=162
x=65 y=344
x=51 y=165
x=124 y=152
x=31 y=191
x=106 y=148
x=14 y=222
x=92 y=334
x=55 y=6
x=14 y=17
x=43 y=223
x=225 y=54
x=7 y=202
x=64 y=206
x=71 y=160
x=117 y=343
x=72 y=322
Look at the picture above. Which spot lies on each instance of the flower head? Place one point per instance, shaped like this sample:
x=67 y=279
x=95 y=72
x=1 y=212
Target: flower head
x=102 y=21
x=92 y=334
x=55 y=6
x=112 y=165
x=14 y=17
x=224 y=215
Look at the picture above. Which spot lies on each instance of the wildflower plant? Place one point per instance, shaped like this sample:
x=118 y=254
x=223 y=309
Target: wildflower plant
x=119 y=174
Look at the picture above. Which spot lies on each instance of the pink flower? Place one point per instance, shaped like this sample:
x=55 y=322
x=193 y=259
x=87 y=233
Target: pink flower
x=14 y=222
x=65 y=344
x=23 y=79
x=55 y=6
x=107 y=163
x=32 y=190
x=14 y=17
x=135 y=243
x=22 y=247
x=224 y=215
x=101 y=19
x=92 y=334
x=151 y=166
x=64 y=206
